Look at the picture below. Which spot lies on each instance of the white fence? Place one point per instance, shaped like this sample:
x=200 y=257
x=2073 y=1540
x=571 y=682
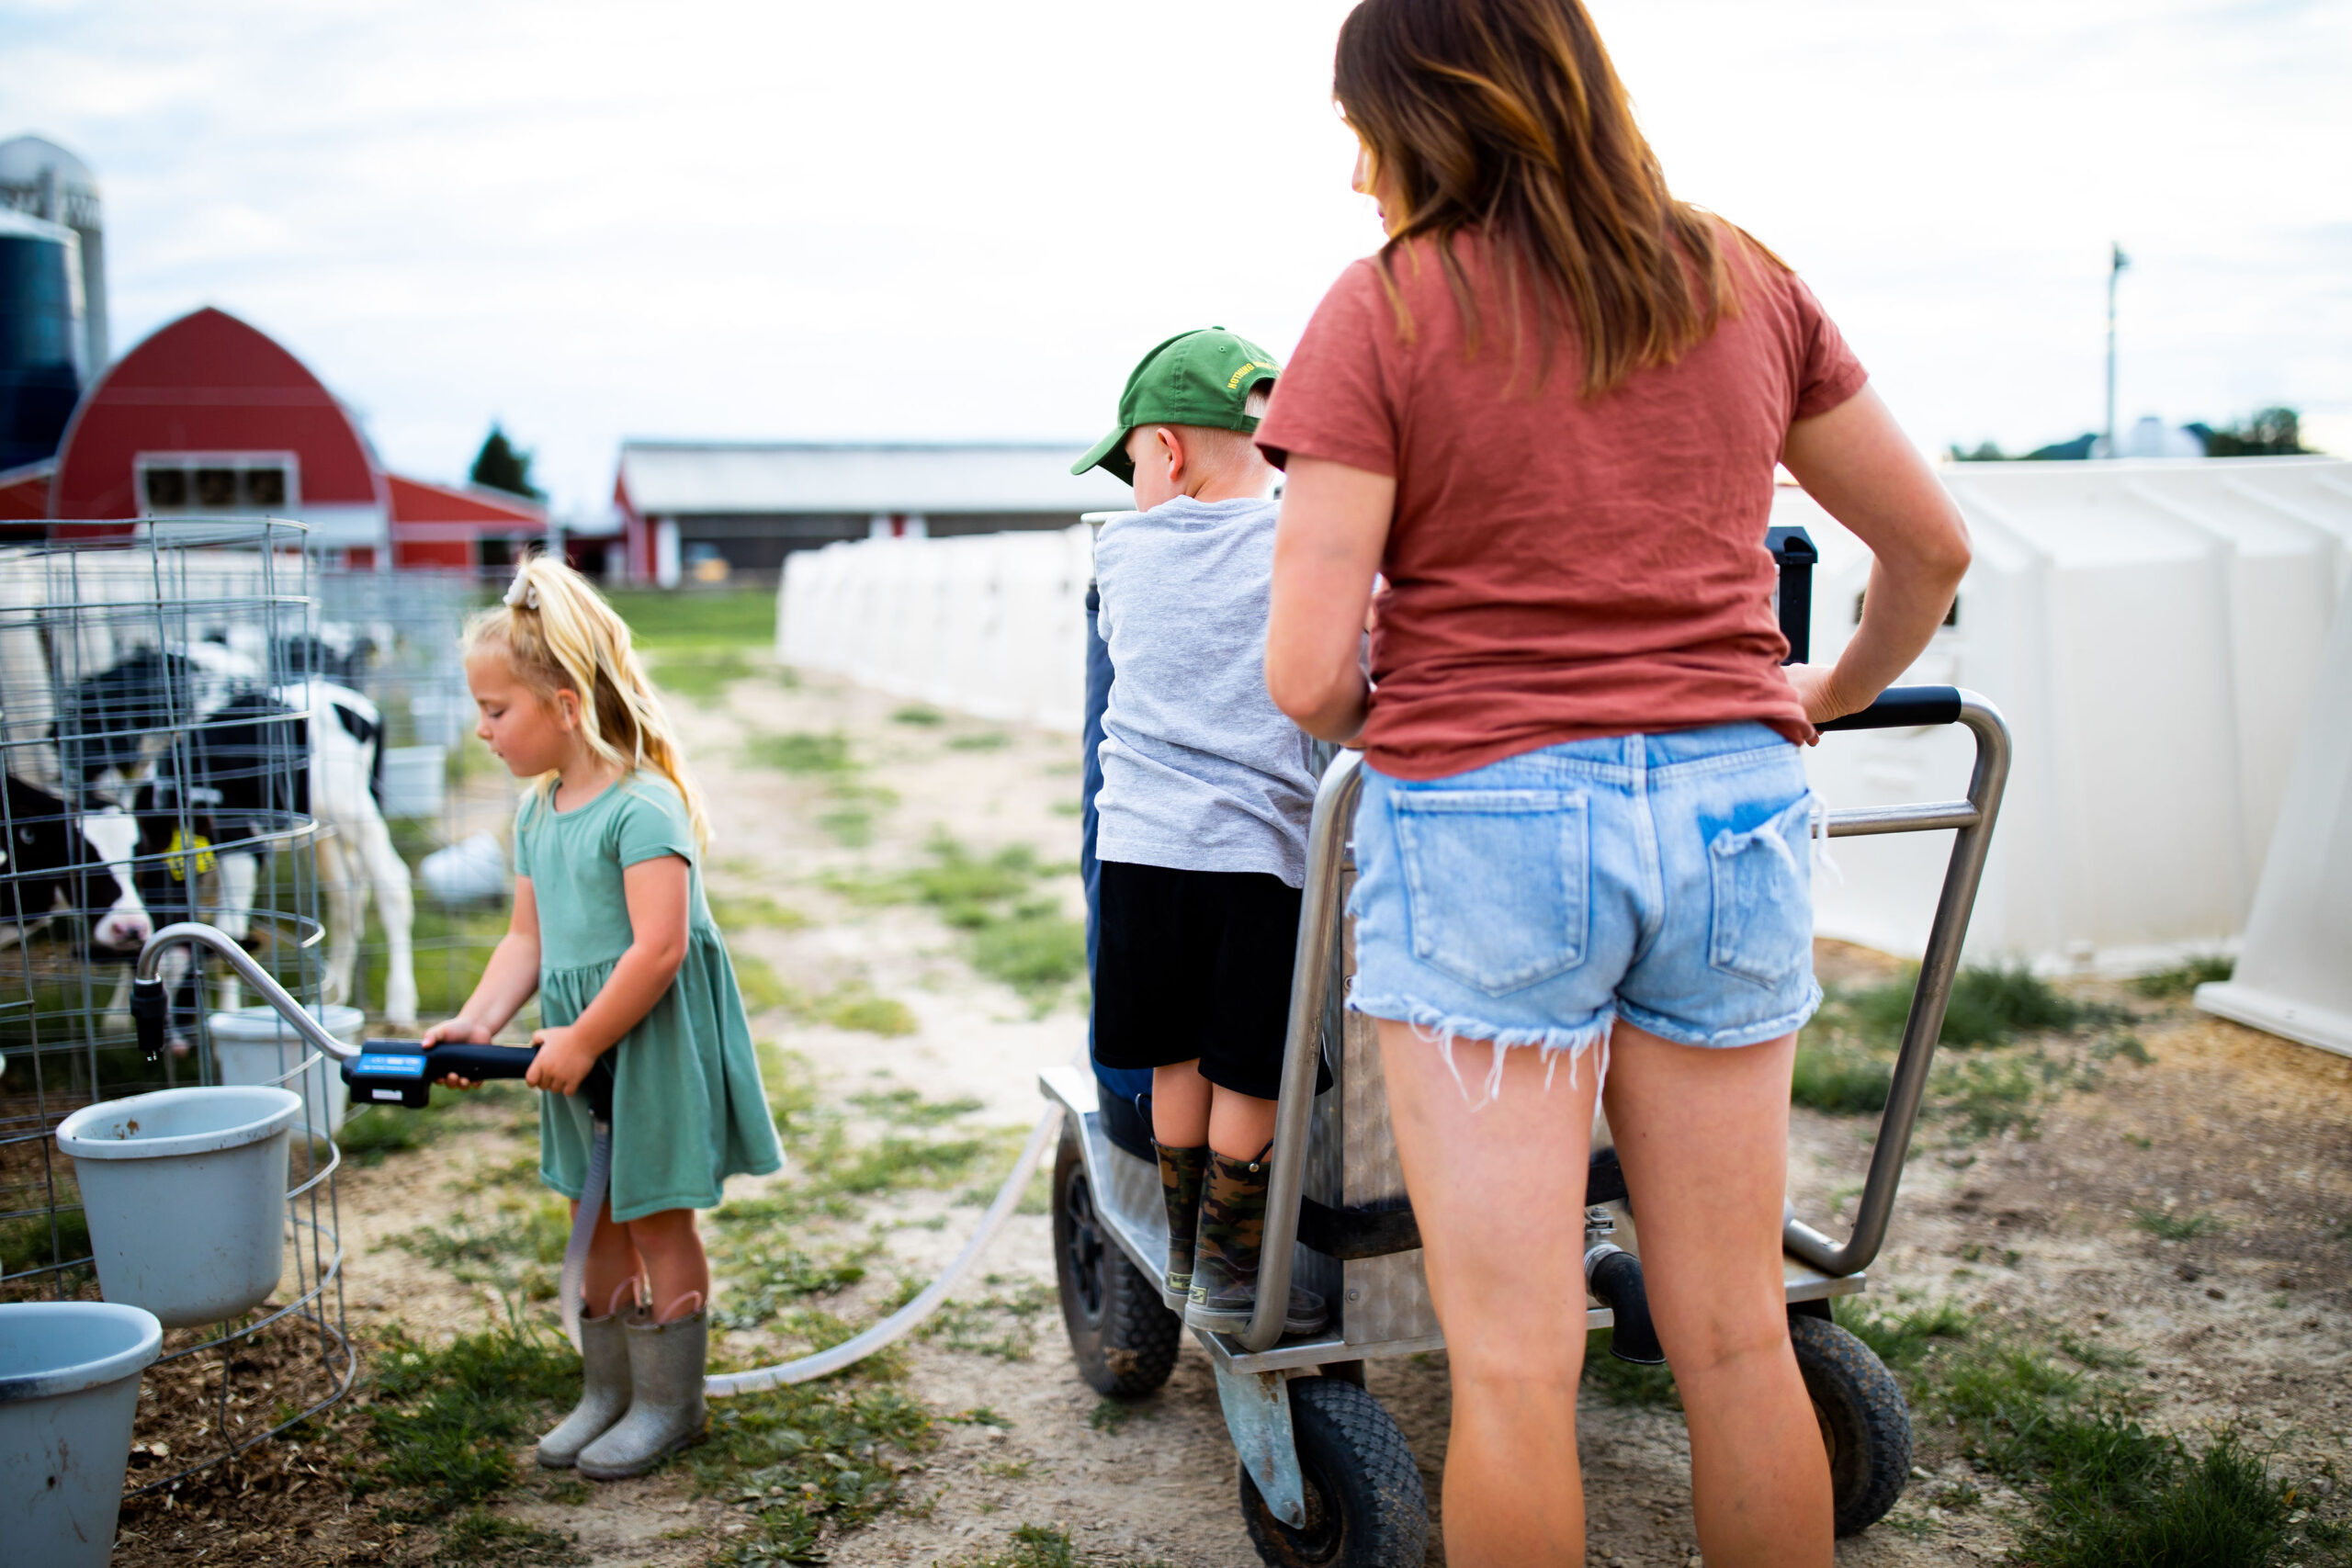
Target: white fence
x=992 y=625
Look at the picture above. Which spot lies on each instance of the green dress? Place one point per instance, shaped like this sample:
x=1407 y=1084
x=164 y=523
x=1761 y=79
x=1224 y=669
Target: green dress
x=688 y=1107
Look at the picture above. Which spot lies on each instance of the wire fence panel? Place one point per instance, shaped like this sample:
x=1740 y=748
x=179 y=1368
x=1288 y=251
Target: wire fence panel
x=177 y=748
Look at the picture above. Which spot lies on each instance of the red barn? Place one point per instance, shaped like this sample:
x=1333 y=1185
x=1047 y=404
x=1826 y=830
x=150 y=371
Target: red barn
x=211 y=415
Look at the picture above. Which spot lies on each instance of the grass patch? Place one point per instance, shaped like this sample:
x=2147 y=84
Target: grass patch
x=1626 y=1382
x=806 y=1462
x=701 y=676
x=921 y=713
x=370 y=1132
x=999 y=1325
x=2103 y=1488
x=1015 y=935
x=2182 y=979
x=2011 y=1042
x=1042 y=1546
x=849 y=818
x=2165 y=1225
x=663 y=619
x=447 y=1420
x=761 y=1282
x=30 y=1242
x=762 y=988
x=517 y=1251
x=986 y=740
x=1839 y=1079
x=868 y=1014
x=743 y=912
x=482 y=1536
x=852 y=1006
x=801 y=751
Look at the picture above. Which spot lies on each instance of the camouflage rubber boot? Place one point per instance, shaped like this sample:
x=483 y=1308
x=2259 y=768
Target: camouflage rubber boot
x=1226 y=1253
x=1180 y=1174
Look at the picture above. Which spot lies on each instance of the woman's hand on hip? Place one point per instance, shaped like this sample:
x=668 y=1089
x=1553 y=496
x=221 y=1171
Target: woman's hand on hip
x=1816 y=688
x=564 y=1061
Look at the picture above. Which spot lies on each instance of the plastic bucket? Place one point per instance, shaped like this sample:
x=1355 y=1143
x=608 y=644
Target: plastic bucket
x=69 y=1393
x=256 y=1045
x=185 y=1190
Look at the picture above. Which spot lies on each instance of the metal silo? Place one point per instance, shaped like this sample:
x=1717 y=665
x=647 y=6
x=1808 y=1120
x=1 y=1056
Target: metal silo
x=41 y=336
x=39 y=178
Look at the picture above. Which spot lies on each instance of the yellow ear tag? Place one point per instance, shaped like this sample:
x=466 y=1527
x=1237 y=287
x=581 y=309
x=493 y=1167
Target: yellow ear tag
x=175 y=857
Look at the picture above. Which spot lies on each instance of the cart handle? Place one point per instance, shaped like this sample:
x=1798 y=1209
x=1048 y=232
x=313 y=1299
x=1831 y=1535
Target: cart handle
x=1326 y=846
x=1905 y=707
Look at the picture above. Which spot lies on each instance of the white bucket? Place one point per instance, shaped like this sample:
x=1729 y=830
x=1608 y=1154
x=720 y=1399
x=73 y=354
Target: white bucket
x=467 y=871
x=69 y=1393
x=415 y=779
x=256 y=1045
x=185 y=1190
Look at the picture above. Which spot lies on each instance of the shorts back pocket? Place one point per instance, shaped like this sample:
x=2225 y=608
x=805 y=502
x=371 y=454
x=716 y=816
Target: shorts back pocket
x=1496 y=882
x=1762 y=927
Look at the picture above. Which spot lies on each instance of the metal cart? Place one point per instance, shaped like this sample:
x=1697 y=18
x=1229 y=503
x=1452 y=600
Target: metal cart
x=1326 y=1476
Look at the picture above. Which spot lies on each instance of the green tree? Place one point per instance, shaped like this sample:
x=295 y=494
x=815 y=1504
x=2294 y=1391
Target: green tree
x=501 y=465
x=2269 y=432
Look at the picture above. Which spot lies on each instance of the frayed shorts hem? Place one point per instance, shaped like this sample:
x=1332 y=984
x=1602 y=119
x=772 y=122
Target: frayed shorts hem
x=1442 y=1028
x=1747 y=1034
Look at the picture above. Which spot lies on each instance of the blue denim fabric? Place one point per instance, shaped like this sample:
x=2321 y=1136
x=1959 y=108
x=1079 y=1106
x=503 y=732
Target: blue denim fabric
x=1663 y=879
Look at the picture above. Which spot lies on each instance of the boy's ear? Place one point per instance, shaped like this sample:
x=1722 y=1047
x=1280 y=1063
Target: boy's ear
x=1174 y=441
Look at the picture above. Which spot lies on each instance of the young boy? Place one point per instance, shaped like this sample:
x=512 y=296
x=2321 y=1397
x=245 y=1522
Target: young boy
x=1205 y=796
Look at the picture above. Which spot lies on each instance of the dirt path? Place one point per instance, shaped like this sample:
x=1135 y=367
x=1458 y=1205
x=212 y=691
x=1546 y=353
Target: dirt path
x=2238 y=1319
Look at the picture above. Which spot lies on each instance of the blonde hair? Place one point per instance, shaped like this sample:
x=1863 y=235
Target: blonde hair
x=558 y=634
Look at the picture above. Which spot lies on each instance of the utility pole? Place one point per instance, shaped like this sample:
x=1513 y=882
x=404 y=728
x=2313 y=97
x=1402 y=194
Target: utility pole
x=2117 y=262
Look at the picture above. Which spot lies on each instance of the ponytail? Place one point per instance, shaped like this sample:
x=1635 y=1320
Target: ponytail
x=558 y=634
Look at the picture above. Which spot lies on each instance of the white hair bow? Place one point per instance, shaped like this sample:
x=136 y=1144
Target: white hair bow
x=520 y=594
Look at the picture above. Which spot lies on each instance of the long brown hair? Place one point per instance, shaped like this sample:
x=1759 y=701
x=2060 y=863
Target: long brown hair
x=1506 y=118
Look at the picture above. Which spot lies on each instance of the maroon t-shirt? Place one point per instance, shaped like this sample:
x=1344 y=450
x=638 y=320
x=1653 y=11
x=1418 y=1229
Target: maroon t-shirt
x=1561 y=569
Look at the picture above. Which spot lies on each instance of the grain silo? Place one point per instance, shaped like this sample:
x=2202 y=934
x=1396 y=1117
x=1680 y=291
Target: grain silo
x=43 y=180
x=41 y=336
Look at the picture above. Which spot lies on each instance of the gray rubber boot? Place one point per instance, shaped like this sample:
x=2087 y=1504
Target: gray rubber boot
x=604 y=1393
x=665 y=1363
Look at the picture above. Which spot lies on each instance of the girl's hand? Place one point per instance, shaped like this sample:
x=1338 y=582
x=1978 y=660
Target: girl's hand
x=461 y=1031
x=563 y=1063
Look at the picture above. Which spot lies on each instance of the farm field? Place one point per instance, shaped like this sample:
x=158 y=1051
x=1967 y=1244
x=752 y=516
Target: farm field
x=2116 y=1288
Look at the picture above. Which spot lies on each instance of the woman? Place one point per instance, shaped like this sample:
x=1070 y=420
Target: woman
x=1547 y=414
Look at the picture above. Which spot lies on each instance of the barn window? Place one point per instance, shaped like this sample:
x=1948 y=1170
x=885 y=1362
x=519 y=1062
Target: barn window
x=166 y=489
x=264 y=488
x=216 y=488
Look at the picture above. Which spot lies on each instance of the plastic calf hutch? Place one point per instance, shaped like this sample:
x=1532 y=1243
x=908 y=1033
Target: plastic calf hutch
x=1326 y=1476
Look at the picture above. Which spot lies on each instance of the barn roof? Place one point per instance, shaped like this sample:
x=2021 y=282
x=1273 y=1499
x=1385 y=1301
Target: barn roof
x=686 y=478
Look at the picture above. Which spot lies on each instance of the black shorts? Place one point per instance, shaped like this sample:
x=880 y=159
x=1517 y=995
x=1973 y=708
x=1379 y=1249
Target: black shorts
x=1195 y=966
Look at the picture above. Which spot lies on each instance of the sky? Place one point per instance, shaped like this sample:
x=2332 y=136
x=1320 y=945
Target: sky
x=941 y=220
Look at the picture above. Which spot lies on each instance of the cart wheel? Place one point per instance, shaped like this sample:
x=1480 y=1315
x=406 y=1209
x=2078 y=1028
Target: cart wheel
x=1864 y=1422
x=1364 y=1504
x=1123 y=1334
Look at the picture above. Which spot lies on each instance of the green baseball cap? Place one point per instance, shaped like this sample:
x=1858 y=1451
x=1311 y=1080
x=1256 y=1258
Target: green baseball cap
x=1202 y=377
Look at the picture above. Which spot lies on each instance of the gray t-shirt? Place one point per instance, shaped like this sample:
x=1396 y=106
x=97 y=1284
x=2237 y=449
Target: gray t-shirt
x=1201 y=771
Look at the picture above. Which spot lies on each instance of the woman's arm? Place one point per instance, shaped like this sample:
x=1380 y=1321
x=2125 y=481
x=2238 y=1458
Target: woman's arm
x=1327 y=548
x=507 y=980
x=657 y=891
x=1858 y=466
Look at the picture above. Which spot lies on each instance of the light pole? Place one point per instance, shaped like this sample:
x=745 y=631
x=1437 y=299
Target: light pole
x=2117 y=262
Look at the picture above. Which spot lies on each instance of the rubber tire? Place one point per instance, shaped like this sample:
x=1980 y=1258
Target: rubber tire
x=1865 y=1424
x=1121 y=1331
x=1365 y=1508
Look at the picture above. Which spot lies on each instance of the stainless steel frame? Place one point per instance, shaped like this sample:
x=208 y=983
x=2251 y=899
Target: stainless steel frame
x=1126 y=1190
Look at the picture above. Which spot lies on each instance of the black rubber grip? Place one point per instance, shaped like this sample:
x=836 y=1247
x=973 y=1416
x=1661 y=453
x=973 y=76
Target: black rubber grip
x=480 y=1062
x=1905 y=707
x=150 y=1011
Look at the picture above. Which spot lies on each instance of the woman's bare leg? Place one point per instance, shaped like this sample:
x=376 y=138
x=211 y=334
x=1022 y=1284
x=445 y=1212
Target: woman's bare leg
x=1500 y=1193
x=674 y=1263
x=1703 y=1135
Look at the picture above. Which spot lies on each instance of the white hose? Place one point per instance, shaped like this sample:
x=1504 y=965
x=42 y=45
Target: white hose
x=901 y=1323
x=583 y=1228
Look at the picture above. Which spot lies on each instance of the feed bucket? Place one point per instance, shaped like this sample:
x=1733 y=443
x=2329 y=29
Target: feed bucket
x=256 y=1045
x=185 y=1192
x=69 y=1393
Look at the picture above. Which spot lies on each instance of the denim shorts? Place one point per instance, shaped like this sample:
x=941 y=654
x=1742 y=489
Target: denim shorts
x=1663 y=879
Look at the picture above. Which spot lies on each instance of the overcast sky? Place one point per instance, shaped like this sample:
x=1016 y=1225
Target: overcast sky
x=941 y=218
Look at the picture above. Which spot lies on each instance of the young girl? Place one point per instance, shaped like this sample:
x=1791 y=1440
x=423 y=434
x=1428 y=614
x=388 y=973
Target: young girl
x=611 y=930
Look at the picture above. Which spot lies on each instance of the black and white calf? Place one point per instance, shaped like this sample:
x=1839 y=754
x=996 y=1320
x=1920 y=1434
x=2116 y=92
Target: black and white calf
x=59 y=862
